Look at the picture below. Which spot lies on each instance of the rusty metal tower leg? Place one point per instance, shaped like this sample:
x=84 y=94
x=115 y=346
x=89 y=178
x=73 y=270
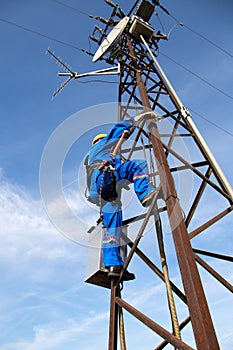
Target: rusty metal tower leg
x=113 y=321
x=203 y=328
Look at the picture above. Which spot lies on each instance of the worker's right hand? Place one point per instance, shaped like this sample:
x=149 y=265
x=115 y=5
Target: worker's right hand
x=146 y=115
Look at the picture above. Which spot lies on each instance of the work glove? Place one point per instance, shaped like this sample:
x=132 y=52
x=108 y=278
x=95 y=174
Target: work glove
x=145 y=115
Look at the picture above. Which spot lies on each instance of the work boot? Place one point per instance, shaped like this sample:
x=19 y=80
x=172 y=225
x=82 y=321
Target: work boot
x=115 y=271
x=146 y=201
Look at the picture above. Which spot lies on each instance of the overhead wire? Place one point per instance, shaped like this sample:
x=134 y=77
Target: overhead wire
x=79 y=49
x=182 y=24
x=202 y=36
x=40 y=34
x=197 y=76
x=210 y=122
x=72 y=8
x=111 y=82
x=209 y=41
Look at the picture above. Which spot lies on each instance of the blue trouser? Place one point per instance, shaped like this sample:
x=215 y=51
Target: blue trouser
x=136 y=172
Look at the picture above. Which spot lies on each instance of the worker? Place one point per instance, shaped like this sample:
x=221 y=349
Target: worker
x=104 y=174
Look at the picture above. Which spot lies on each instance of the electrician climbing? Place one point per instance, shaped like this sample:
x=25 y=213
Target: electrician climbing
x=104 y=171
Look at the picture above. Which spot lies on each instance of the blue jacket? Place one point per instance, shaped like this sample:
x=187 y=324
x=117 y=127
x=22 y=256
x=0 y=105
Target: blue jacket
x=102 y=149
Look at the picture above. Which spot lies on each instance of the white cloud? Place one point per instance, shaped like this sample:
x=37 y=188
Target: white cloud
x=63 y=335
x=26 y=231
x=44 y=301
x=42 y=273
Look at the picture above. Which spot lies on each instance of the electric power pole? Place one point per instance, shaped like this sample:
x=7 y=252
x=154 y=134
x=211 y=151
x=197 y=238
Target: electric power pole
x=133 y=44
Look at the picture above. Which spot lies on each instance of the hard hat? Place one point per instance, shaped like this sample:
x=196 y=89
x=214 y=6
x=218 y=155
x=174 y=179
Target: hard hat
x=97 y=138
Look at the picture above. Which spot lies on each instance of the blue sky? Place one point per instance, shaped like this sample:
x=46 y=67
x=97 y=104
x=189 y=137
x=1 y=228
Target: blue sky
x=45 y=303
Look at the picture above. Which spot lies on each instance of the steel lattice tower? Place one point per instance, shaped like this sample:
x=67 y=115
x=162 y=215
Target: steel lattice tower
x=142 y=81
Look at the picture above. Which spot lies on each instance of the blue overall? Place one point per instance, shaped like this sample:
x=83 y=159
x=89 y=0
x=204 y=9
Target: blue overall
x=135 y=171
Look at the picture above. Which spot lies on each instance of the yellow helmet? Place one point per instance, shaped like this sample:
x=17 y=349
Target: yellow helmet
x=97 y=138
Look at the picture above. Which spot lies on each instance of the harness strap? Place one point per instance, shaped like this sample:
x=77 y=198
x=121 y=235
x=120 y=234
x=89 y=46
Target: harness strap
x=89 y=170
x=107 y=167
x=100 y=205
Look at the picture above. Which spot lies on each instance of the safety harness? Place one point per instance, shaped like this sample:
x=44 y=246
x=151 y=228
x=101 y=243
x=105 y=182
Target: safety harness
x=89 y=170
x=105 y=166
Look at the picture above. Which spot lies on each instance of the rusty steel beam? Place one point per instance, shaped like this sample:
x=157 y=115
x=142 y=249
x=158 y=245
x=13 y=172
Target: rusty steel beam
x=198 y=197
x=172 y=170
x=139 y=235
x=169 y=337
x=214 y=255
x=130 y=94
x=169 y=114
x=203 y=328
x=201 y=320
x=174 y=130
x=140 y=217
x=214 y=273
x=154 y=268
x=181 y=167
x=157 y=96
x=197 y=172
x=182 y=325
x=174 y=135
x=135 y=140
x=210 y=222
x=113 y=324
x=163 y=108
x=203 y=147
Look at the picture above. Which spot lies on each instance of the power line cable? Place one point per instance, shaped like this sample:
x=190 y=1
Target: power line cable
x=101 y=19
x=182 y=24
x=39 y=34
x=79 y=49
x=72 y=8
x=109 y=82
x=209 y=121
x=210 y=41
x=201 y=36
x=197 y=76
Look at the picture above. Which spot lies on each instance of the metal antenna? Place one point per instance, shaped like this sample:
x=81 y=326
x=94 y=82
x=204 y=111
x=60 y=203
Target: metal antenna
x=61 y=87
x=74 y=75
x=59 y=61
x=68 y=69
